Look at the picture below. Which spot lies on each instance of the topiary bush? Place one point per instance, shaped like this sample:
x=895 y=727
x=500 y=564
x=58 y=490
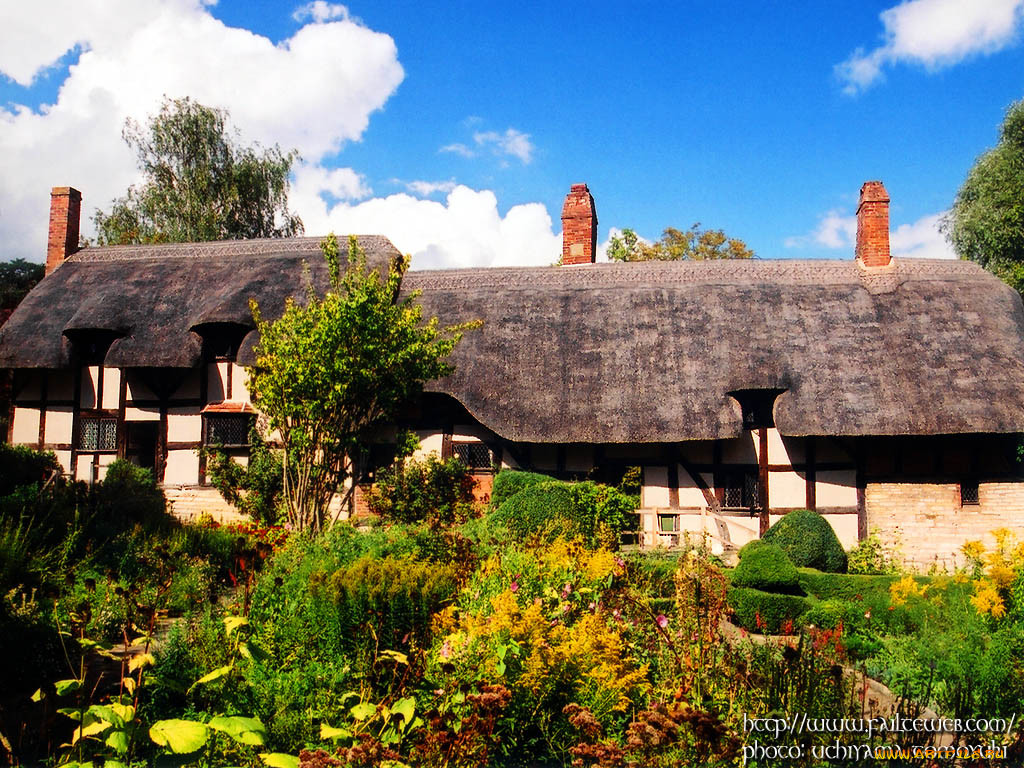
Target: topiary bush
x=509 y=482
x=540 y=507
x=766 y=612
x=766 y=567
x=809 y=541
x=594 y=512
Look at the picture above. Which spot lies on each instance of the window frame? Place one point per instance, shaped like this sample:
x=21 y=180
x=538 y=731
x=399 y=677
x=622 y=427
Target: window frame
x=101 y=418
x=973 y=497
x=247 y=418
x=469 y=446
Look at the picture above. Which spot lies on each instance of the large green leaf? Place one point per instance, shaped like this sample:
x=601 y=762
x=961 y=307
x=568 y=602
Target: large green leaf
x=245 y=730
x=404 y=707
x=364 y=710
x=180 y=736
x=118 y=741
x=64 y=687
x=211 y=676
x=280 y=760
x=328 y=732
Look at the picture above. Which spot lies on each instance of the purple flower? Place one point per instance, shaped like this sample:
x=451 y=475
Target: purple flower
x=662 y=620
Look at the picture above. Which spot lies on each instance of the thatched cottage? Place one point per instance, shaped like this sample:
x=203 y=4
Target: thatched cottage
x=881 y=392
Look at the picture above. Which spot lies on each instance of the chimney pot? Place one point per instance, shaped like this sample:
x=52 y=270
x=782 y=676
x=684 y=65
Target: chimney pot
x=873 y=225
x=579 y=226
x=65 y=219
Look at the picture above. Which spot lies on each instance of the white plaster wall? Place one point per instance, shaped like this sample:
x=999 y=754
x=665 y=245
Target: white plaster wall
x=579 y=458
x=184 y=425
x=690 y=494
x=785 y=450
x=826 y=450
x=26 y=426
x=239 y=384
x=544 y=457
x=700 y=452
x=87 y=393
x=836 y=488
x=182 y=468
x=845 y=527
x=111 y=389
x=462 y=433
x=131 y=413
x=83 y=468
x=740 y=450
x=64 y=457
x=104 y=461
x=430 y=442
x=654 y=492
x=138 y=391
x=786 y=489
x=60 y=385
x=58 y=425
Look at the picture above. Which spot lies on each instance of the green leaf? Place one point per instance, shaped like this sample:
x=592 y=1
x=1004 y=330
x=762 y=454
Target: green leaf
x=279 y=760
x=38 y=695
x=231 y=623
x=114 y=763
x=73 y=712
x=210 y=676
x=327 y=732
x=64 y=687
x=118 y=741
x=244 y=730
x=141 y=660
x=364 y=710
x=106 y=713
x=180 y=736
x=395 y=656
x=252 y=651
x=405 y=707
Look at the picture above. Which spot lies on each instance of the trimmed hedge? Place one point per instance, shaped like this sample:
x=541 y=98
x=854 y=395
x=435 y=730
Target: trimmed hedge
x=509 y=482
x=543 y=506
x=766 y=567
x=774 y=610
x=809 y=541
x=844 y=586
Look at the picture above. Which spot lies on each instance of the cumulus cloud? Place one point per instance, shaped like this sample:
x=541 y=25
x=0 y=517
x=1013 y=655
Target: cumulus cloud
x=919 y=239
x=935 y=34
x=132 y=53
x=511 y=143
x=428 y=188
x=466 y=230
x=320 y=11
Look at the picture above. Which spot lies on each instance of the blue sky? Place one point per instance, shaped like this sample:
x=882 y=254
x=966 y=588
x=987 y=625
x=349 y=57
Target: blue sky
x=457 y=128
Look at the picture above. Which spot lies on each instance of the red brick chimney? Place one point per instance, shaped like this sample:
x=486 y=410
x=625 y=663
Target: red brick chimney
x=579 y=226
x=65 y=212
x=873 y=225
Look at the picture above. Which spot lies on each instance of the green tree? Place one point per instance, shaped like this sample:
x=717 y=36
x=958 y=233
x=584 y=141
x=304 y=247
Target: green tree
x=17 y=278
x=198 y=183
x=330 y=370
x=986 y=223
x=678 y=245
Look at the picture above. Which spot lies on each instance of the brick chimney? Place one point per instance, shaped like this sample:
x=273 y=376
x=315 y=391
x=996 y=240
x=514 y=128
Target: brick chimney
x=65 y=212
x=873 y=225
x=579 y=226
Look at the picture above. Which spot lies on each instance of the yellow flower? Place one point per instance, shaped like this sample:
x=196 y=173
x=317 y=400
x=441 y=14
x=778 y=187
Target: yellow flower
x=904 y=588
x=987 y=600
x=973 y=550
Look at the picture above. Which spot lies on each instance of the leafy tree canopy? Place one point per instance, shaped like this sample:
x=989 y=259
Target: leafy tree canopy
x=333 y=368
x=198 y=183
x=986 y=223
x=17 y=278
x=677 y=245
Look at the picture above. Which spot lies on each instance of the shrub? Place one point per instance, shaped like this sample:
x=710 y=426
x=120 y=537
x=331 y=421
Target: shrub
x=20 y=466
x=871 y=556
x=388 y=602
x=809 y=541
x=411 y=491
x=759 y=611
x=509 y=482
x=261 y=479
x=130 y=494
x=594 y=512
x=766 y=567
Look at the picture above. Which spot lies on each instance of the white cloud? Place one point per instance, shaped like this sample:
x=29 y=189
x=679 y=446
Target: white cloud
x=427 y=188
x=466 y=230
x=936 y=34
x=834 y=230
x=320 y=11
x=135 y=51
x=312 y=181
x=511 y=143
x=919 y=239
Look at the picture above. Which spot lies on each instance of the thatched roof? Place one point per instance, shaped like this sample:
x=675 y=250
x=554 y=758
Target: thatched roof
x=647 y=352
x=155 y=297
x=607 y=353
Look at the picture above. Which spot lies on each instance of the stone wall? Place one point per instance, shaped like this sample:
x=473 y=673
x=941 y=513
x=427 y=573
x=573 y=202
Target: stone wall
x=926 y=523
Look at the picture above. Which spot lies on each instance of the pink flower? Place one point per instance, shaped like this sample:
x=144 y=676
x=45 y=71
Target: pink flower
x=621 y=563
x=566 y=590
x=446 y=650
x=566 y=607
x=617 y=615
x=514 y=586
x=662 y=620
